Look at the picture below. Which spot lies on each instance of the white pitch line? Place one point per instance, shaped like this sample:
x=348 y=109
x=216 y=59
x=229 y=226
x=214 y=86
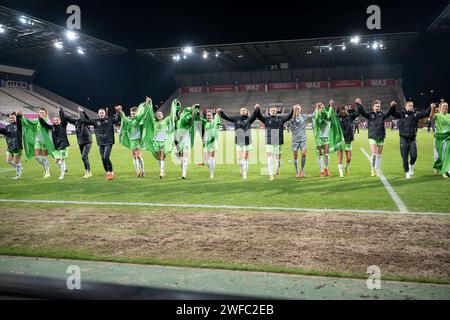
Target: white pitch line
x=208 y=206
x=400 y=205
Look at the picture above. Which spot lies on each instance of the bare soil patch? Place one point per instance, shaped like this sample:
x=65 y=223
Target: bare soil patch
x=412 y=245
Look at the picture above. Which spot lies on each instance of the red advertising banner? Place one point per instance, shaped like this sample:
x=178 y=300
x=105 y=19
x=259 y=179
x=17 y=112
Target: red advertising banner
x=313 y=85
x=222 y=88
x=251 y=87
x=379 y=83
x=346 y=84
x=193 y=89
x=281 y=86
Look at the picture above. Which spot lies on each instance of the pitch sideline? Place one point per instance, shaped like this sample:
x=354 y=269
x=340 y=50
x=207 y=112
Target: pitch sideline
x=208 y=206
x=400 y=204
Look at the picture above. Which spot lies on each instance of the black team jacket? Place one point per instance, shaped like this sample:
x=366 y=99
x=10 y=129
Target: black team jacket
x=13 y=134
x=59 y=132
x=242 y=126
x=274 y=127
x=82 y=129
x=409 y=121
x=376 y=122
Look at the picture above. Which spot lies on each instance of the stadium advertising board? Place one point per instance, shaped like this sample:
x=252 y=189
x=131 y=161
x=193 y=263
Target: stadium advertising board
x=379 y=83
x=222 y=88
x=281 y=86
x=251 y=87
x=16 y=84
x=193 y=89
x=313 y=85
x=346 y=84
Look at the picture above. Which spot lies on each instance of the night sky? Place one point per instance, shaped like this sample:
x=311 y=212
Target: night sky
x=152 y=24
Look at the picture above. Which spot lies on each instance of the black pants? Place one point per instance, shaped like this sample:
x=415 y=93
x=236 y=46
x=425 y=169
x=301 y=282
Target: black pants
x=408 y=147
x=84 y=150
x=105 y=152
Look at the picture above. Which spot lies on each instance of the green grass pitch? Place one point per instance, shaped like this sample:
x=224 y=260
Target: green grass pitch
x=424 y=193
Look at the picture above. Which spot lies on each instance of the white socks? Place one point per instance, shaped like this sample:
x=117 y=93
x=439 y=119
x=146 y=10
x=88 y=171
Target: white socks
x=373 y=159
x=12 y=163
x=270 y=165
x=320 y=162
x=184 y=164
x=378 y=163
x=212 y=166
x=136 y=165
x=19 y=169
x=141 y=164
x=62 y=165
x=341 y=170
x=162 y=166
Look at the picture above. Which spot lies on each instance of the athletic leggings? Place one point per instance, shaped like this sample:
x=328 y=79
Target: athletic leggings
x=408 y=147
x=84 y=150
x=105 y=152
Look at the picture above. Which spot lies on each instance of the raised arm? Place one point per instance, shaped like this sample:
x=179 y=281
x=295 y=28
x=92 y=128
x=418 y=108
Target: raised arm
x=393 y=110
x=259 y=115
x=45 y=124
x=63 y=117
x=360 y=109
x=289 y=116
x=425 y=113
x=66 y=118
x=224 y=116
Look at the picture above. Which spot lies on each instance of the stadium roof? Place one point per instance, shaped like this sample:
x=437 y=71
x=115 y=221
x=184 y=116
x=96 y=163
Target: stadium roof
x=29 y=41
x=442 y=22
x=330 y=51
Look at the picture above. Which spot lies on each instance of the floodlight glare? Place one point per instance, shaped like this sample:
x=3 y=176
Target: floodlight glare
x=71 y=35
x=205 y=55
x=2 y=29
x=187 y=50
x=80 y=51
x=59 y=45
x=23 y=20
x=344 y=47
x=375 y=46
x=355 y=40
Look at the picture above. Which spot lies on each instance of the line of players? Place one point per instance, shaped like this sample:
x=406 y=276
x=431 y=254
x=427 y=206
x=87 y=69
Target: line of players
x=148 y=129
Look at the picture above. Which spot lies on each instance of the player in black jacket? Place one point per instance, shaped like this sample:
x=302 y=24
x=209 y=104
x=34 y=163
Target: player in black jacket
x=377 y=131
x=346 y=120
x=407 y=128
x=84 y=138
x=13 y=135
x=274 y=136
x=104 y=133
x=59 y=137
x=243 y=140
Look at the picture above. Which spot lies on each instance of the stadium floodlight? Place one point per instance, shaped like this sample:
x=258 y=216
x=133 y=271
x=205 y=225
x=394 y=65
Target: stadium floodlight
x=23 y=19
x=330 y=48
x=59 y=45
x=368 y=46
x=344 y=47
x=71 y=35
x=80 y=51
x=2 y=29
x=205 y=55
x=184 y=56
x=375 y=46
x=355 y=39
x=187 y=50
x=309 y=52
x=240 y=56
x=217 y=54
x=176 y=57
